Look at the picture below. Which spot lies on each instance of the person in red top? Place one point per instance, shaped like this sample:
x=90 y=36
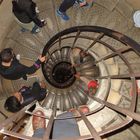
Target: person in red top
x=92 y=85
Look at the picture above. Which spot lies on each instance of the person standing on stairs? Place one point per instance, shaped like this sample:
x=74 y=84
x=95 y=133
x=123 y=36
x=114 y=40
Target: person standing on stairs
x=25 y=96
x=25 y=12
x=12 y=69
x=92 y=85
x=61 y=127
x=77 y=58
x=66 y=4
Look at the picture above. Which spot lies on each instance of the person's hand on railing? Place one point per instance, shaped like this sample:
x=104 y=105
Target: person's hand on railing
x=77 y=75
x=42 y=58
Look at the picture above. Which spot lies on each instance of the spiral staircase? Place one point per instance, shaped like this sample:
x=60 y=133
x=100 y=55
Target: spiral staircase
x=113 y=60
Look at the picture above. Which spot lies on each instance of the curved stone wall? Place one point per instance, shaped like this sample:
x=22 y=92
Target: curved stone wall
x=114 y=14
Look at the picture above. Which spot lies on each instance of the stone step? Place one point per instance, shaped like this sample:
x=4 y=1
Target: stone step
x=98 y=120
x=110 y=5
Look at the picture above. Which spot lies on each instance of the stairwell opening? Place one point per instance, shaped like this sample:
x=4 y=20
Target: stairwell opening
x=100 y=64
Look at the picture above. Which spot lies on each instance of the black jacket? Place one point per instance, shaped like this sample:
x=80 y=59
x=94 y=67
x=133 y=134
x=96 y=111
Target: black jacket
x=25 y=12
x=18 y=70
x=30 y=94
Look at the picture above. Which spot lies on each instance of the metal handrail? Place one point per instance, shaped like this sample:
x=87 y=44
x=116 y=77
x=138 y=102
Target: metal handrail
x=129 y=114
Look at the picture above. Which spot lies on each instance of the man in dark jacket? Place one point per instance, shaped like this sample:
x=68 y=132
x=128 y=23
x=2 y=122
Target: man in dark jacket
x=25 y=96
x=12 y=69
x=25 y=12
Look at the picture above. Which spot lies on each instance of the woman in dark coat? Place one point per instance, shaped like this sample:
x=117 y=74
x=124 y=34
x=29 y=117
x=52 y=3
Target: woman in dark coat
x=26 y=16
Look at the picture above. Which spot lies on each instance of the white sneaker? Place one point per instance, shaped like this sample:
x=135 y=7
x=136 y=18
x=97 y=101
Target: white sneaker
x=37 y=30
x=18 y=56
x=42 y=20
x=37 y=10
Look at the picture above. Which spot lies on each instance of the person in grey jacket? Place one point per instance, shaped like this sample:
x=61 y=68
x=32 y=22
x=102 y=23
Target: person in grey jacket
x=26 y=15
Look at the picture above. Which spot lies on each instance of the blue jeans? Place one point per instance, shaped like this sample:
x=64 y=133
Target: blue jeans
x=65 y=5
x=61 y=128
x=66 y=127
x=39 y=133
x=34 y=29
